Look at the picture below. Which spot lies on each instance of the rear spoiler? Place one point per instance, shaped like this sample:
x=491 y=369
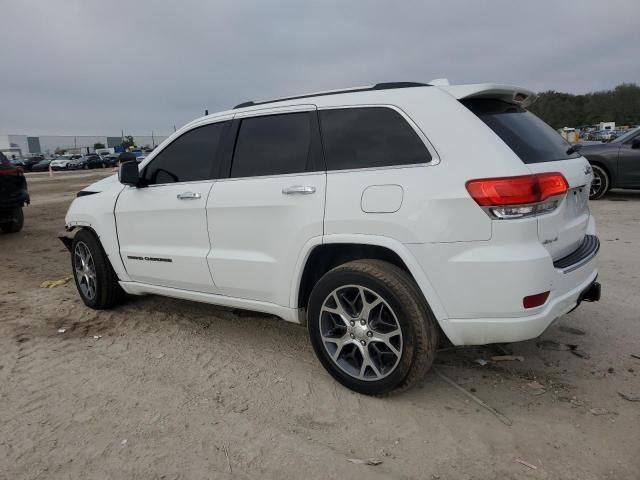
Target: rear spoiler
x=506 y=93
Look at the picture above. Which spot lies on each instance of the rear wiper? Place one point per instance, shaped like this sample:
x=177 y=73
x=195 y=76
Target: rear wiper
x=571 y=150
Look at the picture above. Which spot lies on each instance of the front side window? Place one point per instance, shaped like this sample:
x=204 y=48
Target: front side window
x=369 y=137
x=273 y=145
x=189 y=158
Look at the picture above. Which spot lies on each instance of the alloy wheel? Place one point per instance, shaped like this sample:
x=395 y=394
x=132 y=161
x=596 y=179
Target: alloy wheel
x=85 y=270
x=596 y=183
x=360 y=332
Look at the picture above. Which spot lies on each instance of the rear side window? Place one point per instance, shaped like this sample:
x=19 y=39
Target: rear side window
x=367 y=137
x=529 y=137
x=273 y=145
x=189 y=158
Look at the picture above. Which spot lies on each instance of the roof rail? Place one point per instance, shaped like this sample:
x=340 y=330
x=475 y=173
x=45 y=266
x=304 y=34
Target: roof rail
x=377 y=86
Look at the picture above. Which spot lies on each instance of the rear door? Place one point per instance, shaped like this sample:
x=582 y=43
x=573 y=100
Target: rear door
x=270 y=206
x=543 y=150
x=162 y=227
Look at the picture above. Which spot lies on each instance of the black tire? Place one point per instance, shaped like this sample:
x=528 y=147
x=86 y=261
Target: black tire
x=86 y=167
x=601 y=183
x=409 y=310
x=107 y=293
x=17 y=222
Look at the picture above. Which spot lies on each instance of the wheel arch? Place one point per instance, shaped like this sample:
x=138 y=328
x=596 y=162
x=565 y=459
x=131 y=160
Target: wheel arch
x=603 y=164
x=71 y=230
x=320 y=257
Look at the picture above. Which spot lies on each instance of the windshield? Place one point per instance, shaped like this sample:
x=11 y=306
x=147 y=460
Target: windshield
x=626 y=136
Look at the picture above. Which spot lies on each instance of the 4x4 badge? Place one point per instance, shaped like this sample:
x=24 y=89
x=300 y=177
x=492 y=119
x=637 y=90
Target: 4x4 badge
x=588 y=170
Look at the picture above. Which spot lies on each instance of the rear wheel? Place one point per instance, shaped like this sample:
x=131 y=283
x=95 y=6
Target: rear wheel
x=95 y=279
x=16 y=223
x=600 y=184
x=371 y=328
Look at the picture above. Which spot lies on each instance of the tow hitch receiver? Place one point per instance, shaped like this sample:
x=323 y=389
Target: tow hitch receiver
x=592 y=293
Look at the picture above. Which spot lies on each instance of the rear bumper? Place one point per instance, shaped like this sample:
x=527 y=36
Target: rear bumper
x=481 y=287
x=481 y=331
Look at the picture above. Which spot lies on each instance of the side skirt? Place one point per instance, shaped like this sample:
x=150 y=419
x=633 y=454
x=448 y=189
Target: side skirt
x=294 y=315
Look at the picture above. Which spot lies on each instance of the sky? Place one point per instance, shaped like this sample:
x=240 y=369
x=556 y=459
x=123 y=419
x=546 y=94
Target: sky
x=97 y=67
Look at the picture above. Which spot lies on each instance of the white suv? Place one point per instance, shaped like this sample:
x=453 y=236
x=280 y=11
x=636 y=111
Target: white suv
x=384 y=217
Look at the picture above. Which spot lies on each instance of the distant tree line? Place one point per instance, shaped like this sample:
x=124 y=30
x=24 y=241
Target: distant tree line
x=620 y=105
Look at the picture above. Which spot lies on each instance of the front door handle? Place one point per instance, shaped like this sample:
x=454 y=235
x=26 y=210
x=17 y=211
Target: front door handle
x=188 y=196
x=299 y=190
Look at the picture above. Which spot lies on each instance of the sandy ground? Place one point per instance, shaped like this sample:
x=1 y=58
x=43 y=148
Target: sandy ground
x=172 y=389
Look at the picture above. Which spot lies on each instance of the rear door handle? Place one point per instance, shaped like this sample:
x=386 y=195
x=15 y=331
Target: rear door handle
x=188 y=196
x=299 y=190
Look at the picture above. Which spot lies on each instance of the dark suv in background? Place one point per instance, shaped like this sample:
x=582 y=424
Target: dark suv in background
x=13 y=196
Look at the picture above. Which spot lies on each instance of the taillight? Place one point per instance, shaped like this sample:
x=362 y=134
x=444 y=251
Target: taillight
x=517 y=197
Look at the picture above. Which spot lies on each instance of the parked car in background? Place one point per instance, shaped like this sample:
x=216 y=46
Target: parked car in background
x=110 y=159
x=41 y=166
x=615 y=164
x=89 y=161
x=336 y=211
x=61 y=163
x=29 y=162
x=17 y=162
x=13 y=196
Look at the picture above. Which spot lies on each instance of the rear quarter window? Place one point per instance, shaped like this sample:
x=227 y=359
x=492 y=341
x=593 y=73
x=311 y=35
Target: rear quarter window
x=527 y=135
x=369 y=137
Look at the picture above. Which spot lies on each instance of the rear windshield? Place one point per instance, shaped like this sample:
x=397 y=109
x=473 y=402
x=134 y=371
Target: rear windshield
x=529 y=137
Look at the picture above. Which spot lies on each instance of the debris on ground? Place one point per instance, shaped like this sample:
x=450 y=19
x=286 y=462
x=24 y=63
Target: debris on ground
x=536 y=388
x=62 y=330
x=601 y=411
x=630 y=397
x=633 y=355
x=159 y=356
x=97 y=337
x=551 y=345
x=55 y=283
x=526 y=464
x=571 y=330
x=365 y=461
x=580 y=353
x=507 y=358
x=480 y=362
x=563 y=347
x=226 y=454
x=123 y=442
x=503 y=418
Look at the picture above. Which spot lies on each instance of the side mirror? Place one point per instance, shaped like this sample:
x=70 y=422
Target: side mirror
x=636 y=143
x=128 y=174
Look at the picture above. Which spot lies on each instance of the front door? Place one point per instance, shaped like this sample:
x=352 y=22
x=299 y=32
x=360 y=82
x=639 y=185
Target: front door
x=271 y=205
x=162 y=226
x=629 y=163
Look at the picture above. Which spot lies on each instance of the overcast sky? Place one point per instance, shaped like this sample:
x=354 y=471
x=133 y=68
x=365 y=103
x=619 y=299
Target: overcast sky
x=96 y=67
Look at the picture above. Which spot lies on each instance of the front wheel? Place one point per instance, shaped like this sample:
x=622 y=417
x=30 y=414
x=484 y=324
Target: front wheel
x=371 y=328
x=600 y=183
x=95 y=279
